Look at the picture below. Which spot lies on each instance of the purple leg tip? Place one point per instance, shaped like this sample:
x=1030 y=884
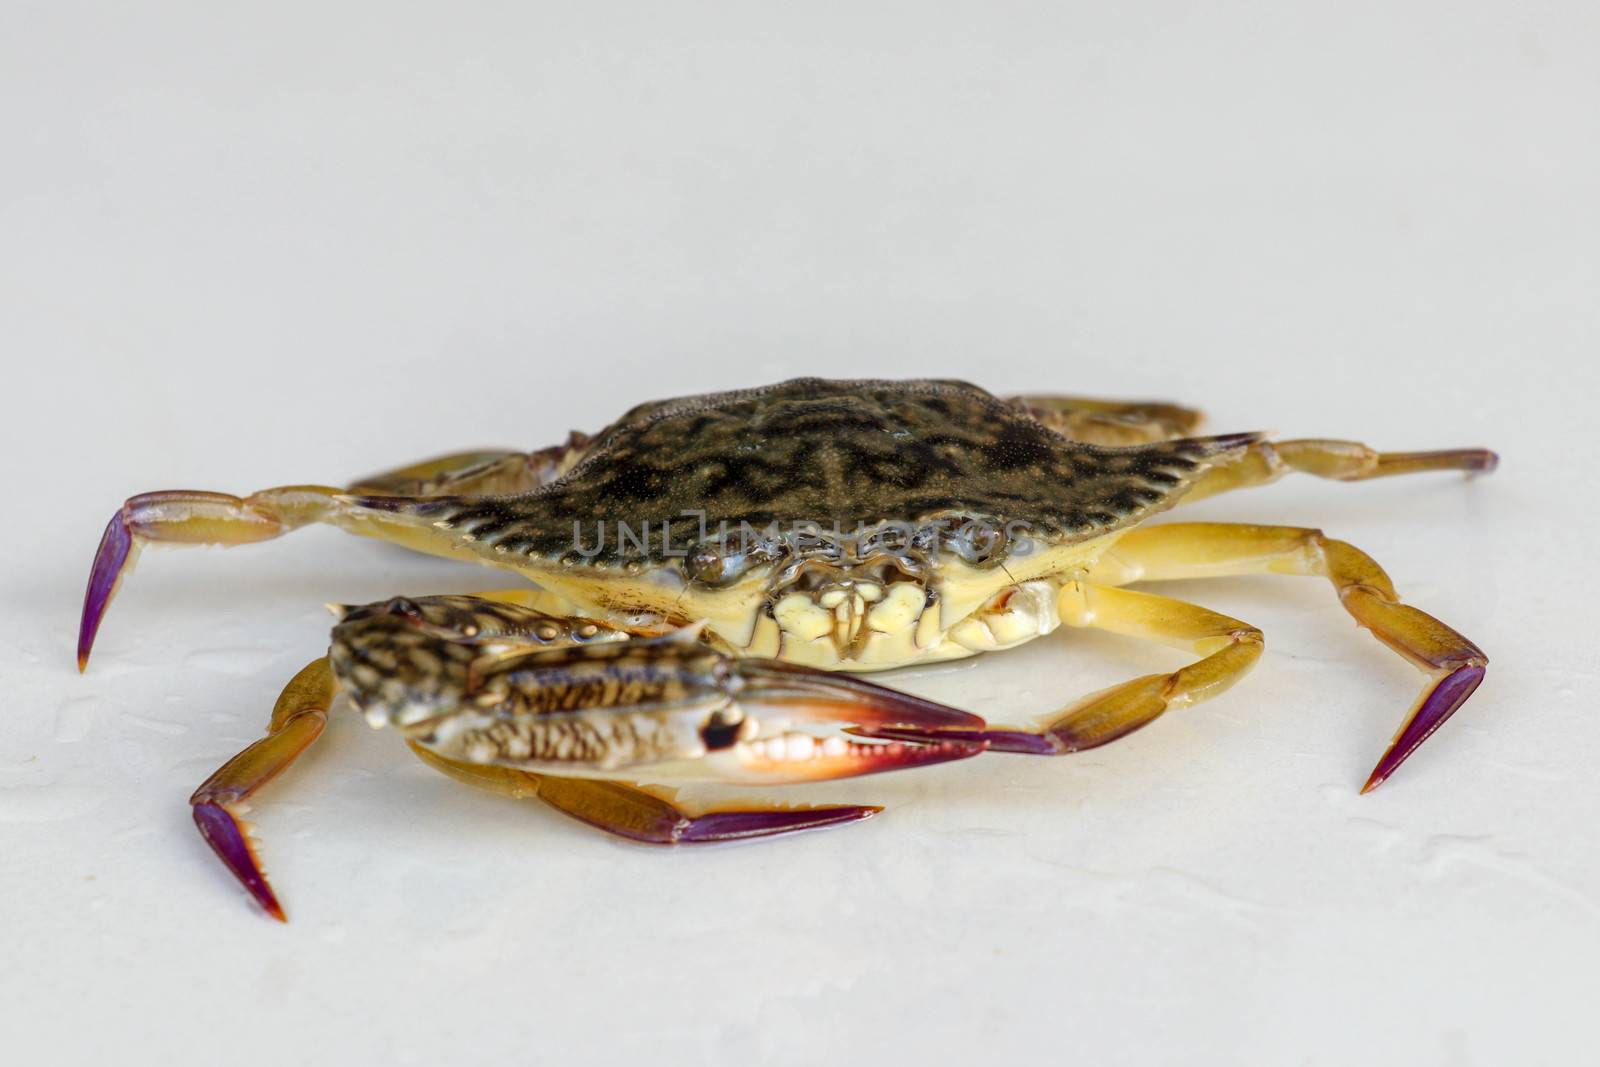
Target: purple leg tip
x=109 y=559
x=1442 y=702
x=735 y=825
x=222 y=833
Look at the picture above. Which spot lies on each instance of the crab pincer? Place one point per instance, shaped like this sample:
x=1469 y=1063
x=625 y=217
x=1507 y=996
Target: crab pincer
x=666 y=708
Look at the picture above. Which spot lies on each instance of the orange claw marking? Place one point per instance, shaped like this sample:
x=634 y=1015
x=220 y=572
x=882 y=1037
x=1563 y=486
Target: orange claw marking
x=821 y=695
x=839 y=758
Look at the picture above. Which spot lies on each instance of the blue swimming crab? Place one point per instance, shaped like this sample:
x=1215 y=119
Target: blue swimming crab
x=709 y=576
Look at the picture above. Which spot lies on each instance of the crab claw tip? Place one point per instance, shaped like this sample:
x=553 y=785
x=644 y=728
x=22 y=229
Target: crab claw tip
x=870 y=706
x=855 y=706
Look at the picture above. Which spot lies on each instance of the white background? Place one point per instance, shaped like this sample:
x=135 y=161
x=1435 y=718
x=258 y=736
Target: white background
x=307 y=241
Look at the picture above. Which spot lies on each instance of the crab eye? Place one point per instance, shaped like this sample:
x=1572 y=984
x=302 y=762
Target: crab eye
x=704 y=565
x=721 y=731
x=978 y=542
x=713 y=564
x=403 y=606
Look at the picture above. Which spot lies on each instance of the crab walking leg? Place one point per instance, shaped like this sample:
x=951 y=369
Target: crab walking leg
x=1228 y=648
x=639 y=814
x=1454 y=665
x=1344 y=461
x=195 y=517
x=479 y=473
x=298 y=719
x=1110 y=422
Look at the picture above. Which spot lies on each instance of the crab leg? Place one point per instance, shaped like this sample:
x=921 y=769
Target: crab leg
x=298 y=719
x=1228 y=647
x=1454 y=665
x=203 y=518
x=639 y=814
x=1345 y=461
x=480 y=473
x=197 y=517
x=1110 y=422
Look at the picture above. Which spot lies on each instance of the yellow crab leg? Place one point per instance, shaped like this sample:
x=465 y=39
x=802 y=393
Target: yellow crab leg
x=1454 y=665
x=298 y=719
x=1111 y=422
x=641 y=814
x=198 y=517
x=477 y=473
x=1228 y=649
x=221 y=519
x=1345 y=461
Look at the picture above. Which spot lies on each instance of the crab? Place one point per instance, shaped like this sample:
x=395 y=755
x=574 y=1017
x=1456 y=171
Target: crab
x=711 y=574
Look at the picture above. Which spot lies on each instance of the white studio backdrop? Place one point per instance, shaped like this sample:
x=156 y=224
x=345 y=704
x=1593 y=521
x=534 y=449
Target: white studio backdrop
x=250 y=245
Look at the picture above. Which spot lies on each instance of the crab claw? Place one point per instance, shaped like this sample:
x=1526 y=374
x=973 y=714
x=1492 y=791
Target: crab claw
x=775 y=696
x=819 y=694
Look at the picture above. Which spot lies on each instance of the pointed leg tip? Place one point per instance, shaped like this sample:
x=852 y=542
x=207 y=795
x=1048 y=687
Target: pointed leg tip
x=838 y=816
x=110 y=560
x=739 y=825
x=1436 y=706
x=1486 y=462
x=849 y=813
x=222 y=832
